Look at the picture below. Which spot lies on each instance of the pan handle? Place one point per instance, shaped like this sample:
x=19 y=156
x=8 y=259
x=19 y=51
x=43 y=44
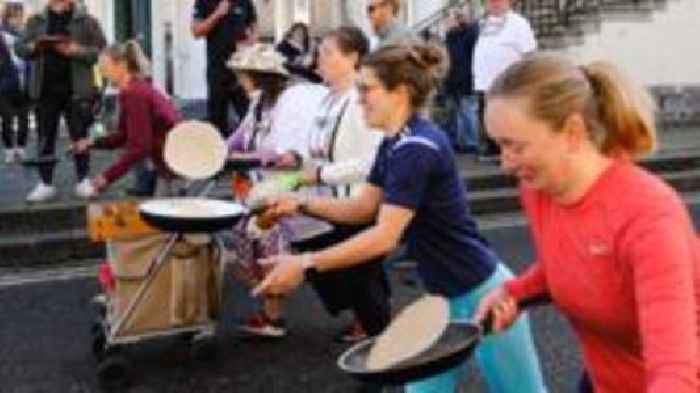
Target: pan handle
x=486 y=325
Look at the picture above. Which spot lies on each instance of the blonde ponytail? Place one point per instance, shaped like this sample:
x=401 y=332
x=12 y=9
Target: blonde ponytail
x=132 y=55
x=618 y=114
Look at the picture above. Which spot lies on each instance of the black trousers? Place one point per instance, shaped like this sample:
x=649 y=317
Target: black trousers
x=364 y=289
x=14 y=107
x=78 y=115
x=490 y=148
x=223 y=92
x=585 y=385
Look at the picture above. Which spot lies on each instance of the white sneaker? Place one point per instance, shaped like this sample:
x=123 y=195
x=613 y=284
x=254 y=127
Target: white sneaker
x=85 y=190
x=42 y=193
x=9 y=156
x=20 y=154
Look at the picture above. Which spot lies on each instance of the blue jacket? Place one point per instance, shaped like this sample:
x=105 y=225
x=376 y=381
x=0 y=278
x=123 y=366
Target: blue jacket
x=460 y=42
x=9 y=77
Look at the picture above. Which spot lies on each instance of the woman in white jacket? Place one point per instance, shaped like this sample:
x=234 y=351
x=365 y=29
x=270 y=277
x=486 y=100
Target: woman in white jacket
x=340 y=154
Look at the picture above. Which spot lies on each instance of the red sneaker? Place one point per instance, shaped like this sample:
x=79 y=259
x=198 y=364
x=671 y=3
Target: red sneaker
x=262 y=326
x=352 y=334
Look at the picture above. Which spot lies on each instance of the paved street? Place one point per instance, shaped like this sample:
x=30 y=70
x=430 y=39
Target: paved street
x=44 y=342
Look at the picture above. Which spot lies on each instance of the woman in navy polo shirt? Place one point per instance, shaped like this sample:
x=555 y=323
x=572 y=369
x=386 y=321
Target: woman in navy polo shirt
x=415 y=192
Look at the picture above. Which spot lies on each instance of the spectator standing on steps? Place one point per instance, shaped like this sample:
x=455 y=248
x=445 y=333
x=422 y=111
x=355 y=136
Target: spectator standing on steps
x=504 y=38
x=64 y=42
x=14 y=103
x=225 y=24
x=460 y=41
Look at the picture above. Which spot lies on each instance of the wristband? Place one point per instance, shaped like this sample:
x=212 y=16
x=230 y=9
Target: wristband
x=310 y=270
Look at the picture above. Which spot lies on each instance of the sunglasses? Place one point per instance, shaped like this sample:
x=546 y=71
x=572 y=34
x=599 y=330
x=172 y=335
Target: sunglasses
x=373 y=7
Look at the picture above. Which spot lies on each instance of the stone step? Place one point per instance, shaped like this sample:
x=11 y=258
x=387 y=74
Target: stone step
x=55 y=248
x=507 y=200
x=490 y=190
x=487 y=177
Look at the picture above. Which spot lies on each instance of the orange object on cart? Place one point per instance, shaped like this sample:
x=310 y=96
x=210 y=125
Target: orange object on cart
x=116 y=221
x=240 y=186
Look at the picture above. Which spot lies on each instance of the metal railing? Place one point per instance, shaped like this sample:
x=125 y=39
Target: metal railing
x=555 y=22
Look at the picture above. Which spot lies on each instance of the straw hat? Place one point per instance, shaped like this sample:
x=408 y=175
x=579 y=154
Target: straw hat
x=258 y=58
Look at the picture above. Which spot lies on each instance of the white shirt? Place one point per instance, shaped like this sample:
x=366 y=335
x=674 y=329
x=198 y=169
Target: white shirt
x=354 y=148
x=294 y=115
x=502 y=41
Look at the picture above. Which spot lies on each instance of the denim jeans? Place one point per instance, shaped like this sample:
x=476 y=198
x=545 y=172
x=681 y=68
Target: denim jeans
x=463 y=126
x=144 y=178
x=508 y=361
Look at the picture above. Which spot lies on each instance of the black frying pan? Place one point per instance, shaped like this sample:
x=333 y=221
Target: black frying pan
x=454 y=346
x=175 y=223
x=242 y=164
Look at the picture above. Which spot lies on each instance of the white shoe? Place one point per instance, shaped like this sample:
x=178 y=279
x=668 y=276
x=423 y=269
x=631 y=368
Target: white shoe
x=85 y=190
x=42 y=193
x=20 y=154
x=9 y=156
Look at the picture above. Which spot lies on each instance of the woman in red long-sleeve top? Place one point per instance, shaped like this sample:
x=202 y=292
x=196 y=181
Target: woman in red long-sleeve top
x=145 y=115
x=616 y=249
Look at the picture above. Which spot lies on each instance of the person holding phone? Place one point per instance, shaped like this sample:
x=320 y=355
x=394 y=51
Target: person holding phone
x=64 y=42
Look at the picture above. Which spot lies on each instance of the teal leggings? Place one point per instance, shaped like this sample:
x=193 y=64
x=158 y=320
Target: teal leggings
x=507 y=361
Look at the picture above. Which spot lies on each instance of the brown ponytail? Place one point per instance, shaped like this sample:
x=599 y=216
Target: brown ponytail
x=618 y=114
x=418 y=67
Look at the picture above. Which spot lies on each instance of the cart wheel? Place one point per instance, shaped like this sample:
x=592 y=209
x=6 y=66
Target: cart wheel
x=101 y=310
x=99 y=340
x=186 y=337
x=96 y=327
x=203 y=348
x=113 y=371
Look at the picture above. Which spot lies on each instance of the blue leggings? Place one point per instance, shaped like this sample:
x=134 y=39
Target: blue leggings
x=507 y=361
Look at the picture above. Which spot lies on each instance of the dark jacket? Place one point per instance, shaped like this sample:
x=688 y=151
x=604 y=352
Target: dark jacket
x=9 y=77
x=460 y=42
x=223 y=38
x=86 y=31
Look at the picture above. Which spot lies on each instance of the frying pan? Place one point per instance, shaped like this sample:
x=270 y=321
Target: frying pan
x=242 y=164
x=457 y=342
x=454 y=346
x=219 y=215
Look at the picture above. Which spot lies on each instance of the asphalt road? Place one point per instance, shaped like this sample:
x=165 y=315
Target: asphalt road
x=45 y=341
